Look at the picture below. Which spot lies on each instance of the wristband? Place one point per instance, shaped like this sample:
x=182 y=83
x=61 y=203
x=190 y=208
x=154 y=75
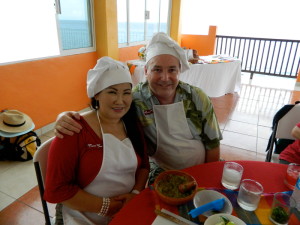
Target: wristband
x=134 y=191
x=105 y=207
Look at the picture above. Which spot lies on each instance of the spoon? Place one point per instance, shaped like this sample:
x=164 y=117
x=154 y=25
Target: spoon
x=214 y=205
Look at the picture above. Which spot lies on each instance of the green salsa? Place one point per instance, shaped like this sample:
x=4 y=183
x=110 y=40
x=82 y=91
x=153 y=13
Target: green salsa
x=169 y=186
x=279 y=215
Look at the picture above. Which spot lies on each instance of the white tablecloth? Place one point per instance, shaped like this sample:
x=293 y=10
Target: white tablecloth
x=214 y=79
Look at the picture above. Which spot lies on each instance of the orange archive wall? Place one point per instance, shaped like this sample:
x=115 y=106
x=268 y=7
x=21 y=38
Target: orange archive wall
x=44 y=88
x=204 y=44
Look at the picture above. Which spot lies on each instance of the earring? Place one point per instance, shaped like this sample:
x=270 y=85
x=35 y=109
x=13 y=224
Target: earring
x=96 y=104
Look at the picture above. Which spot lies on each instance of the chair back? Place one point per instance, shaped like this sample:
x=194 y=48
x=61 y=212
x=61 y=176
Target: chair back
x=288 y=122
x=40 y=165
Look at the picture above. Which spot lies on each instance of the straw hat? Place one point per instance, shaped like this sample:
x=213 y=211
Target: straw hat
x=14 y=123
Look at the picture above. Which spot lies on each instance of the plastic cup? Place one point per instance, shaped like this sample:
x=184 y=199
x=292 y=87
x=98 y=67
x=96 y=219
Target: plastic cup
x=291 y=176
x=232 y=175
x=249 y=194
x=281 y=208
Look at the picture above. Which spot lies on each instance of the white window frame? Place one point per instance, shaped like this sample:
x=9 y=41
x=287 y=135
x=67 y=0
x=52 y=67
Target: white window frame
x=77 y=50
x=128 y=44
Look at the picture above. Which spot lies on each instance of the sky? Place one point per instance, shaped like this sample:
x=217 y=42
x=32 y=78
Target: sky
x=252 y=18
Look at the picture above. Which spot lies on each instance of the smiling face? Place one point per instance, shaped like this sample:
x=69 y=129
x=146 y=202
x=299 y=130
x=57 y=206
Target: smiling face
x=162 y=73
x=114 y=101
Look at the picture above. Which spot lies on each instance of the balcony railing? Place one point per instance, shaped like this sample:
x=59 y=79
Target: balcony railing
x=276 y=57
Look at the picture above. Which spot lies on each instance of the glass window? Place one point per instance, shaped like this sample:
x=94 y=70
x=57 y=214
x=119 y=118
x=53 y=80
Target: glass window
x=136 y=21
x=23 y=36
x=31 y=30
x=139 y=20
x=122 y=21
x=153 y=20
x=75 y=24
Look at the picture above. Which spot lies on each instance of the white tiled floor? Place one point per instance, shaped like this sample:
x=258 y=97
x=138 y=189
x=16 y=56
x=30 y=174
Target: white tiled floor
x=17 y=178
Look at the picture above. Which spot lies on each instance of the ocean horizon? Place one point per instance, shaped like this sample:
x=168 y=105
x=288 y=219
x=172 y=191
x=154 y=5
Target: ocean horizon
x=75 y=33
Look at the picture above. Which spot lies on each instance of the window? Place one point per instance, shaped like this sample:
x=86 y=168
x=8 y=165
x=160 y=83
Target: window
x=139 y=20
x=75 y=24
x=31 y=29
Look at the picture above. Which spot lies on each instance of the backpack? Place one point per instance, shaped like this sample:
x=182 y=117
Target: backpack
x=280 y=144
x=20 y=148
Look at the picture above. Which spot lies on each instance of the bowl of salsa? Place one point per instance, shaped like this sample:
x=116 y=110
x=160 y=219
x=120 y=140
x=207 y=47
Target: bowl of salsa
x=175 y=187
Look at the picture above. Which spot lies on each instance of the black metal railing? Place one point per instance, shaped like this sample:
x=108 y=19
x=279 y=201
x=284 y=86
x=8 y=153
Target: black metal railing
x=276 y=57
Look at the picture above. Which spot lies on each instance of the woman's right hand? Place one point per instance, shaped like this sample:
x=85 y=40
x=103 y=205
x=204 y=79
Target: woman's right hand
x=66 y=124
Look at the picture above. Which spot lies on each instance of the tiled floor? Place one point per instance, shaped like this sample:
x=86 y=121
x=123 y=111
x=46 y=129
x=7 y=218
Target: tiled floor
x=245 y=120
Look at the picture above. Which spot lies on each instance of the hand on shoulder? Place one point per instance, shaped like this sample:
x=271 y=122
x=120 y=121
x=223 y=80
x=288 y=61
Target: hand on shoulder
x=66 y=124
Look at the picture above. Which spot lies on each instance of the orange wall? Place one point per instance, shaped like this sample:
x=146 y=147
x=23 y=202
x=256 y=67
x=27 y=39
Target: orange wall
x=204 y=44
x=44 y=88
x=129 y=53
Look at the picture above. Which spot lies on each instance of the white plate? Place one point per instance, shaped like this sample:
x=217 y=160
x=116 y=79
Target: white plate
x=206 y=196
x=212 y=220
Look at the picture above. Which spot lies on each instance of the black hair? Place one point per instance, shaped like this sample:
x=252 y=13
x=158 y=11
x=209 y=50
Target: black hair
x=134 y=129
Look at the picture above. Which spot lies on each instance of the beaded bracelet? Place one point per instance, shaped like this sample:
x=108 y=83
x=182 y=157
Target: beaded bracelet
x=134 y=191
x=105 y=207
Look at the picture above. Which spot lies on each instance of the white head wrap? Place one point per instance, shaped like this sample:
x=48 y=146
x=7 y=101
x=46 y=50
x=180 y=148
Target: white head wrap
x=107 y=72
x=162 y=44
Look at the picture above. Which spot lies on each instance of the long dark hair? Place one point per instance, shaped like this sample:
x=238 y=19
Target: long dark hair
x=134 y=129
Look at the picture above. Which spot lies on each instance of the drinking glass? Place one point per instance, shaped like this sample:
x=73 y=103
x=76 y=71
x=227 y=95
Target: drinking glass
x=232 y=175
x=249 y=194
x=292 y=175
x=281 y=208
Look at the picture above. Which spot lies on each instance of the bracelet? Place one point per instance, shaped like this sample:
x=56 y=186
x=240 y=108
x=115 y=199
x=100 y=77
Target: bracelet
x=105 y=207
x=134 y=191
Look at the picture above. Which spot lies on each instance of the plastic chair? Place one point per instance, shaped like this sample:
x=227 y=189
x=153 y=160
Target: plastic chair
x=282 y=129
x=40 y=165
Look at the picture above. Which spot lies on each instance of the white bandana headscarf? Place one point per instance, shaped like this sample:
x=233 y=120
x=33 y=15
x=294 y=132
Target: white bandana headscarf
x=162 y=44
x=107 y=72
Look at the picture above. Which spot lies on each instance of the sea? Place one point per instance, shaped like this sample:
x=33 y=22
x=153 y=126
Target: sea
x=76 y=33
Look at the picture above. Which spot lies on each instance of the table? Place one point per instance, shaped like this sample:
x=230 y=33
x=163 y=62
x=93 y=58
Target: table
x=214 y=79
x=140 y=210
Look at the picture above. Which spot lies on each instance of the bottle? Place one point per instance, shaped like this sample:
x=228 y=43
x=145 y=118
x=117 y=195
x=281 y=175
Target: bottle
x=296 y=193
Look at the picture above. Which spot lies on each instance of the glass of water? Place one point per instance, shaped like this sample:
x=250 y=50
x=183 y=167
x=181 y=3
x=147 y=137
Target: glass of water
x=232 y=175
x=249 y=194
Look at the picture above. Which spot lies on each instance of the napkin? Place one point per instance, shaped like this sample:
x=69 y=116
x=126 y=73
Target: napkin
x=159 y=220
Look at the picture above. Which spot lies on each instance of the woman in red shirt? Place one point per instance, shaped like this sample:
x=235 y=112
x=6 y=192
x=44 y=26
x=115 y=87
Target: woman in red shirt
x=291 y=154
x=95 y=172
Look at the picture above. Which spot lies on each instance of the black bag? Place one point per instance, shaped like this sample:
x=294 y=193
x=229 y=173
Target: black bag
x=20 y=148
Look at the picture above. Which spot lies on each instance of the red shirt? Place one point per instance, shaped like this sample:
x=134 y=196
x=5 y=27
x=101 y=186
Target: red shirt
x=292 y=152
x=74 y=162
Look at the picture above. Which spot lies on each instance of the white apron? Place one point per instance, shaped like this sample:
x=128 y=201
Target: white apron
x=116 y=176
x=176 y=147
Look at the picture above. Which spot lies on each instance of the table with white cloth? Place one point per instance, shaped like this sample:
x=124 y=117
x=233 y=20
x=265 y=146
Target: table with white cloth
x=215 y=79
